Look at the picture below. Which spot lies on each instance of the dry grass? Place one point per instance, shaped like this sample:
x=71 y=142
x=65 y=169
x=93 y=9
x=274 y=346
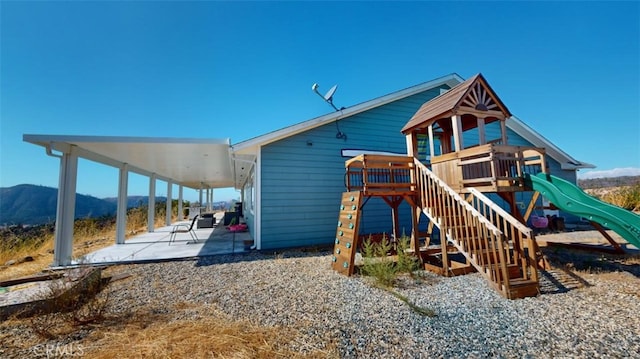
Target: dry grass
x=210 y=335
x=201 y=331
x=207 y=333
x=86 y=239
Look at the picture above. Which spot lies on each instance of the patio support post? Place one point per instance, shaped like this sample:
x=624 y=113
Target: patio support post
x=211 y=201
x=151 y=211
x=456 y=123
x=180 y=209
x=481 y=134
x=121 y=213
x=65 y=211
x=168 y=204
x=200 y=199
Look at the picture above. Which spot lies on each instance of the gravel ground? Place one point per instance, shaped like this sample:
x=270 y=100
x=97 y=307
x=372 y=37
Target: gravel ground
x=597 y=316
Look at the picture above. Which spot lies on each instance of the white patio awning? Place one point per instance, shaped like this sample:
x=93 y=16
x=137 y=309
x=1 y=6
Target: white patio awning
x=190 y=162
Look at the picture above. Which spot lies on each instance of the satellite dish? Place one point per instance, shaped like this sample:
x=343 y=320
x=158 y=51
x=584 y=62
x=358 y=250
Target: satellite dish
x=329 y=96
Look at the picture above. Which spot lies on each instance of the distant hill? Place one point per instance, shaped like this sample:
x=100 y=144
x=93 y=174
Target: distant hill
x=135 y=201
x=608 y=182
x=31 y=204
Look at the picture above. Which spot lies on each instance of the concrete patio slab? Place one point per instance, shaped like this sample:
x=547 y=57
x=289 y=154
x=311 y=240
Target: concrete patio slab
x=155 y=246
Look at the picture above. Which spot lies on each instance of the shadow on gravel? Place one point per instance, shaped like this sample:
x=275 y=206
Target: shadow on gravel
x=263 y=255
x=569 y=264
x=560 y=280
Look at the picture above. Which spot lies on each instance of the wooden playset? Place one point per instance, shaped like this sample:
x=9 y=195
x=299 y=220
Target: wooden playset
x=450 y=181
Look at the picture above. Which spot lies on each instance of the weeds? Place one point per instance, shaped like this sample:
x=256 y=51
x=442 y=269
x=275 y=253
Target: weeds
x=37 y=242
x=625 y=197
x=379 y=265
x=69 y=305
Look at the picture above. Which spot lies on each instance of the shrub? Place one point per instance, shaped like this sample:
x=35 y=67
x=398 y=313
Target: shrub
x=377 y=263
x=406 y=263
x=380 y=266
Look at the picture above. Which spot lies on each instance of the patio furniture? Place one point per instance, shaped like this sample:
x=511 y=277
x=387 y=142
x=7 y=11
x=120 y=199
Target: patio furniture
x=184 y=228
x=207 y=220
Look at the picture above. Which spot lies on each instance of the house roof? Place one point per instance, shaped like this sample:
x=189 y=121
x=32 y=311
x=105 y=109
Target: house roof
x=466 y=93
x=191 y=162
x=250 y=146
x=566 y=161
x=247 y=150
x=214 y=163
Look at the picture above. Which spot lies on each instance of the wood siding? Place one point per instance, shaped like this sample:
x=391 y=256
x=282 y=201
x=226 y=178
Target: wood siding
x=303 y=176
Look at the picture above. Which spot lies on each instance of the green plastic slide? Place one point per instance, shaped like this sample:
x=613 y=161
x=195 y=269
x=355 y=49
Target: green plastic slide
x=570 y=198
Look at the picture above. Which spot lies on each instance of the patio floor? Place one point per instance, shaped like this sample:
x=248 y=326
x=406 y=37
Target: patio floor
x=155 y=246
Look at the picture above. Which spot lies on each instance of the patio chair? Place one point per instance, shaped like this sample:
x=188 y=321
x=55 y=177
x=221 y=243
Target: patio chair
x=184 y=228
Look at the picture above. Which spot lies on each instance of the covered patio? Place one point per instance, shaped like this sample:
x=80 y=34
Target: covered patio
x=201 y=164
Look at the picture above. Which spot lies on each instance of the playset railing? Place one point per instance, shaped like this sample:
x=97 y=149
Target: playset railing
x=489 y=167
x=485 y=238
x=379 y=174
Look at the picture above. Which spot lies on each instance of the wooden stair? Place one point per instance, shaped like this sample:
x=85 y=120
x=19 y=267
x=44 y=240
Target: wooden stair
x=493 y=242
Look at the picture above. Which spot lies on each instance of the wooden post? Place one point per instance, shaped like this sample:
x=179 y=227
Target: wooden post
x=412 y=145
x=396 y=220
x=431 y=143
x=415 y=240
x=456 y=123
x=482 y=139
x=503 y=131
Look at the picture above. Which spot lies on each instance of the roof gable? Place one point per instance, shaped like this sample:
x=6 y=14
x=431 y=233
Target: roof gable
x=473 y=95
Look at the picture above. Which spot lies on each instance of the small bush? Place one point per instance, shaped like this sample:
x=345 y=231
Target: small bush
x=406 y=263
x=377 y=263
x=380 y=266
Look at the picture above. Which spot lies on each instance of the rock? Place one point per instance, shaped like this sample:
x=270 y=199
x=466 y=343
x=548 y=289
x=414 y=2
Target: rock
x=27 y=259
x=10 y=262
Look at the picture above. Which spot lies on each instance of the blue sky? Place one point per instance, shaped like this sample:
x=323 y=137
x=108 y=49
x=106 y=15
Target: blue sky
x=570 y=70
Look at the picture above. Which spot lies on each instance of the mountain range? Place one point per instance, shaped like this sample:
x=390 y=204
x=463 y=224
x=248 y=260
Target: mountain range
x=31 y=204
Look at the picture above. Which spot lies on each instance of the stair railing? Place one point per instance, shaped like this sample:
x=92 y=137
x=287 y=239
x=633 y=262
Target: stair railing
x=477 y=238
x=525 y=248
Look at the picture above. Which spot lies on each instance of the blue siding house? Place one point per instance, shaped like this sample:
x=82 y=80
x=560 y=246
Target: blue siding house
x=292 y=179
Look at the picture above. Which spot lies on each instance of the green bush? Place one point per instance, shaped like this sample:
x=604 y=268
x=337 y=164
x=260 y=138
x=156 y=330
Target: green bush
x=406 y=263
x=379 y=265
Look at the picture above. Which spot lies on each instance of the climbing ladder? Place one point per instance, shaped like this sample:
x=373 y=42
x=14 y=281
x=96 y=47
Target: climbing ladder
x=344 y=250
